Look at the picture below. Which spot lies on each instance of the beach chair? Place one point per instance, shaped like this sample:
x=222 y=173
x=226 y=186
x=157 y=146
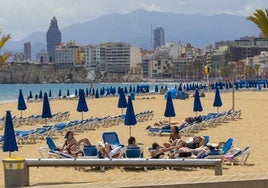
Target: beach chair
x=237 y=156
x=90 y=152
x=26 y=137
x=219 y=153
x=52 y=150
x=111 y=138
x=158 y=131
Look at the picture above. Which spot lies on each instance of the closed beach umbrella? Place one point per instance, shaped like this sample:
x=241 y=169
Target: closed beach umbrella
x=156 y=89
x=197 y=103
x=130 y=118
x=68 y=93
x=82 y=104
x=9 y=142
x=169 y=111
x=50 y=94
x=217 y=99
x=21 y=103
x=97 y=94
x=75 y=92
x=40 y=96
x=59 y=95
x=30 y=95
x=46 y=111
x=122 y=102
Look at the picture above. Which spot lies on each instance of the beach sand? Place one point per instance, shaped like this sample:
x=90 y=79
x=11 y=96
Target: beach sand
x=251 y=130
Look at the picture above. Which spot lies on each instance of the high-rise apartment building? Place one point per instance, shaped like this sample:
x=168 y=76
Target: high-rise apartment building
x=53 y=38
x=159 y=37
x=27 y=51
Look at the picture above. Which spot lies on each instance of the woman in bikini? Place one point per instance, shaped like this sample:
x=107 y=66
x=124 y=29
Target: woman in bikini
x=71 y=146
x=158 y=152
x=174 y=137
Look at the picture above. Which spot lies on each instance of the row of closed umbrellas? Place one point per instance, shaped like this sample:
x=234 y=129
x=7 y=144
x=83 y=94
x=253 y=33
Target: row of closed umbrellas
x=9 y=141
x=197 y=106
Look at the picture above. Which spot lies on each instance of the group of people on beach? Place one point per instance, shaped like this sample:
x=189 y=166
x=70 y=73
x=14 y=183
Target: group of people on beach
x=75 y=148
x=174 y=148
x=196 y=146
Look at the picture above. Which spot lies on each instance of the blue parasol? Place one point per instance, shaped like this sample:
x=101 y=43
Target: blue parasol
x=156 y=89
x=130 y=118
x=49 y=94
x=9 y=141
x=40 y=96
x=169 y=111
x=30 y=95
x=122 y=102
x=46 y=112
x=59 y=95
x=68 y=93
x=97 y=94
x=82 y=104
x=197 y=103
x=217 y=99
x=21 y=103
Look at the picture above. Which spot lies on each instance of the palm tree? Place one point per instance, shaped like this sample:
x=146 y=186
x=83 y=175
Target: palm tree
x=3 y=41
x=260 y=18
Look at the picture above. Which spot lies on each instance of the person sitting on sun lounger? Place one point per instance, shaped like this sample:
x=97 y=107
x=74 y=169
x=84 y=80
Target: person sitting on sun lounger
x=174 y=137
x=73 y=147
x=132 y=143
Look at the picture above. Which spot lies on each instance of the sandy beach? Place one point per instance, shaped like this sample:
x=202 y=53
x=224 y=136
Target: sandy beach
x=250 y=130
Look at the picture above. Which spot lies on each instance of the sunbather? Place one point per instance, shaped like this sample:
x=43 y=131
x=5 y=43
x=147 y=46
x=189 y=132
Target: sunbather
x=192 y=151
x=158 y=152
x=173 y=138
x=71 y=146
x=110 y=151
x=132 y=143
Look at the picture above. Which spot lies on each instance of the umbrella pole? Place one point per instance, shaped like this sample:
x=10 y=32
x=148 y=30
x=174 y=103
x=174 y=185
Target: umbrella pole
x=122 y=110
x=9 y=154
x=82 y=115
x=130 y=131
x=21 y=113
x=217 y=109
x=169 y=120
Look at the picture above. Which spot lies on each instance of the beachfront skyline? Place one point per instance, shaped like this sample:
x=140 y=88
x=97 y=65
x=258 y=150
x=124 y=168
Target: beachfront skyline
x=21 y=18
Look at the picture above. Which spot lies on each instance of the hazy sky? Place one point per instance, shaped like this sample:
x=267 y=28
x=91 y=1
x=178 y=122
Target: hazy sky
x=22 y=17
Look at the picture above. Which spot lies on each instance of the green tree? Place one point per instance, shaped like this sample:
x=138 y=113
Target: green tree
x=260 y=18
x=3 y=41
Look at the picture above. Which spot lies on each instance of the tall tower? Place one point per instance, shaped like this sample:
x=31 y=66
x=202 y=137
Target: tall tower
x=53 y=38
x=159 y=37
x=27 y=51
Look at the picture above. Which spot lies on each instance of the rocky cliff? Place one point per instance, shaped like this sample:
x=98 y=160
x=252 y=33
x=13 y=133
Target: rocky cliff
x=40 y=73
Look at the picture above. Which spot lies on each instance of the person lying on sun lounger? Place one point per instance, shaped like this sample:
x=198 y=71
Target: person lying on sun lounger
x=158 y=152
x=110 y=151
x=194 y=150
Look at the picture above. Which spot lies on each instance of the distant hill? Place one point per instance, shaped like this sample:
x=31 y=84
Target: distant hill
x=135 y=28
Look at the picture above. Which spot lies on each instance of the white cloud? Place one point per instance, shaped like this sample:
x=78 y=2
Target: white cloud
x=150 y=7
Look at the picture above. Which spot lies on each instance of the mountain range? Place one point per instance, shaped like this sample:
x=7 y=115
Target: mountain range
x=136 y=28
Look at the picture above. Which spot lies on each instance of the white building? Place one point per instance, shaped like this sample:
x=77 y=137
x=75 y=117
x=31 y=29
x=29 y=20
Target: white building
x=42 y=57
